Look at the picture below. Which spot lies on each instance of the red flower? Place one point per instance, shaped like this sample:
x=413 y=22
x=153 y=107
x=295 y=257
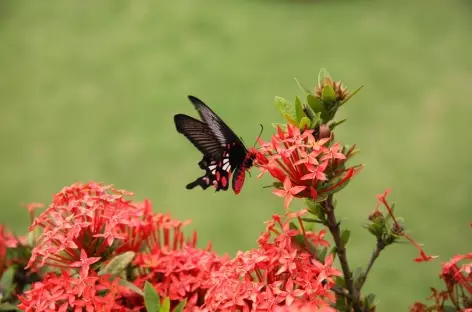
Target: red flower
x=288 y=192
x=65 y=293
x=275 y=275
x=84 y=262
x=86 y=219
x=310 y=166
x=86 y=226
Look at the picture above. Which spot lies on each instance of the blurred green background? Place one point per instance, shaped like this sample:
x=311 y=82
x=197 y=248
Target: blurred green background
x=88 y=91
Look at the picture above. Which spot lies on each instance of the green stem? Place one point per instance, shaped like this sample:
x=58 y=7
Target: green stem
x=333 y=226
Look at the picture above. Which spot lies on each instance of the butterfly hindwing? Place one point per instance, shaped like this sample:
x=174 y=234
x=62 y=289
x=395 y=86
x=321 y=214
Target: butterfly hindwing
x=217 y=173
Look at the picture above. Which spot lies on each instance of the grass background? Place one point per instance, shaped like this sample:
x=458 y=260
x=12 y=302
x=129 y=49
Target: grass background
x=88 y=91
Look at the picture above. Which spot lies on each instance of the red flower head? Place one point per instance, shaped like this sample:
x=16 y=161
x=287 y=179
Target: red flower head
x=67 y=293
x=87 y=221
x=173 y=265
x=306 y=166
x=276 y=274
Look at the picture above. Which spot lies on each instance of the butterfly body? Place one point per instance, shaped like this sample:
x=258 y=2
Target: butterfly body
x=224 y=154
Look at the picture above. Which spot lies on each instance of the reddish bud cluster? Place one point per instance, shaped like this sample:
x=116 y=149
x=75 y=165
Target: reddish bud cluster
x=306 y=166
x=277 y=274
x=457 y=277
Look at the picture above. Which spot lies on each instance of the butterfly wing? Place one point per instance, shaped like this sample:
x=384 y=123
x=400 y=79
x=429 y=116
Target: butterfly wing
x=199 y=134
x=223 y=152
x=238 y=179
x=217 y=173
x=220 y=130
x=215 y=160
x=240 y=172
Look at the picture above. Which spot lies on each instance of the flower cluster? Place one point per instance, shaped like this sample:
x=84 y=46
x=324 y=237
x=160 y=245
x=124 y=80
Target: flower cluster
x=178 y=270
x=86 y=228
x=278 y=274
x=66 y=293
x=457 y=277
x=305 y=165
x=388 y=229
x=89 y=218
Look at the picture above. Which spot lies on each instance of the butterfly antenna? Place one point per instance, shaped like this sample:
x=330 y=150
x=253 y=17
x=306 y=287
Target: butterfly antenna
x=260 y=133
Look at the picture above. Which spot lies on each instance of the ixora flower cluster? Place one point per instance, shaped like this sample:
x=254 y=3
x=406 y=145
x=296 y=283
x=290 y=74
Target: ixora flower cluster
x=456 y=275
x=97 y=250
x=306 y=167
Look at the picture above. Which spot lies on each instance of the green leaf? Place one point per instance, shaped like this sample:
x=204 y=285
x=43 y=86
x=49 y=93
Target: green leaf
x=341 y=304
x=321 y=256
x=370 y=301
x=317 y=106
x=180 y=307
x=357 y=274
x=302 y=87
x=345 y=236
x=298 y=109
x=351 y=95
x=305 y=123
x=118 y=264
x=8 y=307
x=285 y=107
x=282 y=126
x=448 y=308
x=327 y=94
x=315 y=209
x=314 y=117
x=334 y=124
x=165 y=305
x=323 y=74
x=131 y=286
x=6 y=282
x=289 y=118
x=310 y=220
x=152 y=301
x=375 y=229
x=339 y=281
x=33 y=236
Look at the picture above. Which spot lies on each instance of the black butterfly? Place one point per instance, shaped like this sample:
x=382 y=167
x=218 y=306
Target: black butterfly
x=223 y=152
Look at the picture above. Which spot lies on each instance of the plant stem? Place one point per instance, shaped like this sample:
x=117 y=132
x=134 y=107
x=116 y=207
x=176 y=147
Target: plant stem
x=375 y=254
x=333 y=226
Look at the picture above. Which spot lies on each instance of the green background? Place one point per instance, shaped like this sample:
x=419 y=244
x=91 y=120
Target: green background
x=88 y=91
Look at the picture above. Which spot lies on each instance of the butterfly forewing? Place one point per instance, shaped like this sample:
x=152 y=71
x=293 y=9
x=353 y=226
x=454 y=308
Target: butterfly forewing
x=199 y=134
x=222 y=132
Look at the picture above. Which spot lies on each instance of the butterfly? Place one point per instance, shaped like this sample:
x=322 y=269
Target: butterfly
x=223 y=152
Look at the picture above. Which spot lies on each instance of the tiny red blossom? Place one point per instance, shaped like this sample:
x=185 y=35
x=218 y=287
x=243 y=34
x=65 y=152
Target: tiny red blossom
x=288 y=192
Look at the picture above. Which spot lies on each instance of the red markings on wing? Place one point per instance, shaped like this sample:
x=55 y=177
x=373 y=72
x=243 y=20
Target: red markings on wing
x=239 y=181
